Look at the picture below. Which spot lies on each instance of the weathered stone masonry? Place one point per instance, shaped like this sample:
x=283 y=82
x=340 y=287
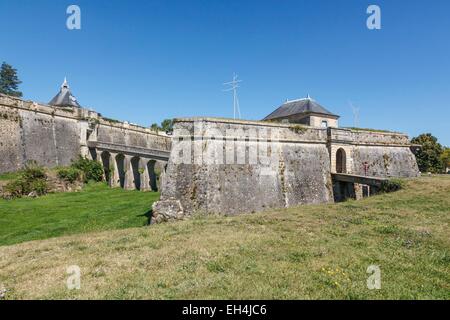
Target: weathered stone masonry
x=54 y=136
x=298 y=173
x=386 y=154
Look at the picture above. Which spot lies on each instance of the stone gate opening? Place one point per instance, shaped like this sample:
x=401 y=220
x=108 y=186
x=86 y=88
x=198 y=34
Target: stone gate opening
x=341 y=161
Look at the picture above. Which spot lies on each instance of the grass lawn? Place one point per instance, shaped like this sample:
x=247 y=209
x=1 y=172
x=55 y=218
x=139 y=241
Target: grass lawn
x=308 y=252
x=9 y=175
x=96 y=208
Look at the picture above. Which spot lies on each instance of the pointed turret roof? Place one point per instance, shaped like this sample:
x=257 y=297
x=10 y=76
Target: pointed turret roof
x=64 y=98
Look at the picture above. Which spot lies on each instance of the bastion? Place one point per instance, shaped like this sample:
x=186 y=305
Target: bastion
x=233 y=166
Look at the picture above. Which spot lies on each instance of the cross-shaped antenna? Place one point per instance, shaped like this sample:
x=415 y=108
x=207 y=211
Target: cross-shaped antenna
x=233 y=85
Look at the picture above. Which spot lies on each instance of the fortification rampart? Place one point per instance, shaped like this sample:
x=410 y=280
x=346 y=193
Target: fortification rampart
x=215 y=166
x=54 y=136
x=231 y=166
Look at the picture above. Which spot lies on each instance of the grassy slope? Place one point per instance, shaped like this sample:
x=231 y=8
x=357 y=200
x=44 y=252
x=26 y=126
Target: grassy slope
x=319 y=251
x=96 y=208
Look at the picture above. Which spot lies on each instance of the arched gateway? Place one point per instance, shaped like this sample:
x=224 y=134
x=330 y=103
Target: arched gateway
x=341 y=161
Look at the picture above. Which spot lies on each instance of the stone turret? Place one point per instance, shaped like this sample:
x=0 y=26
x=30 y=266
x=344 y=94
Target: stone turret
x=64 y=98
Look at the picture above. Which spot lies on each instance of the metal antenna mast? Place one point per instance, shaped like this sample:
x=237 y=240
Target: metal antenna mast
x=355 y=115
x=233 y=85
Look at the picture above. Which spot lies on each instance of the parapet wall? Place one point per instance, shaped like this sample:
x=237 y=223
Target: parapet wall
x=127 y=134
x=366 y=137
x=229 y=167
x=373 y=153
x=54 y=136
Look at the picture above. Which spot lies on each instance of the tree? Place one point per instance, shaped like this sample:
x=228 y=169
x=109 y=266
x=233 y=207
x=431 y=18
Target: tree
x=445 y=158
x=167 y=125
x=154 y=127
x=429 y=156
x=9 y=81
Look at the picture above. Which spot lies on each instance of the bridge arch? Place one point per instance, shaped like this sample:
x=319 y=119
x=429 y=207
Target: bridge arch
x=106 y=163
x=120 y=164
x=152 y=175
x=341 y=161
x=135 y=161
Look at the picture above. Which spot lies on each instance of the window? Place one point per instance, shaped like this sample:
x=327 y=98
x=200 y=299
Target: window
x=324 y=124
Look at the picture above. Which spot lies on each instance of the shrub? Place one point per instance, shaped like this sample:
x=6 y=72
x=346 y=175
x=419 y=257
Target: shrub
x=15 y=188
x=39 y=186
x=70 y=174
x=391 y=185
x=298 y=128
x=92 y=170
x=32 y=180
x=33 y=171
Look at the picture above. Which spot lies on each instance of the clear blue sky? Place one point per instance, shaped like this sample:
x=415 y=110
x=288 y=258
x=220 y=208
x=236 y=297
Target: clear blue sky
x=144 y=61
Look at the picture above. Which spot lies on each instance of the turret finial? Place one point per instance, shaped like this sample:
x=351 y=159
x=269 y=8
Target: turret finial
x=65 y=84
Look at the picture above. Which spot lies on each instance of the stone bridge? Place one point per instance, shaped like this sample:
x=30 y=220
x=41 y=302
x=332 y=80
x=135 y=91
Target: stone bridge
x=133 y=157
x=130 y=167
x=355 y=186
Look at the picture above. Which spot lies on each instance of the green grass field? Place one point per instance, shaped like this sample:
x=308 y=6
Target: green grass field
x=308 y=252
x=96 y=208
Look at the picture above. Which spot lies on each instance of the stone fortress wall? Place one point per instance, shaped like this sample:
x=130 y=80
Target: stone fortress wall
x=209 y=165
x=227 y=166
x=298 y=170
x=55 y=136
x=30 y=131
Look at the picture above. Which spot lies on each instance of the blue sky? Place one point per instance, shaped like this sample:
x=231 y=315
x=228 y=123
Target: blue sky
x=144 y=61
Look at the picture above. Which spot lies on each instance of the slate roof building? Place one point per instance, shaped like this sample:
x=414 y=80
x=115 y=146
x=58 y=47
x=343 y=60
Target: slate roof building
x=304 y=111
x=64 y=98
